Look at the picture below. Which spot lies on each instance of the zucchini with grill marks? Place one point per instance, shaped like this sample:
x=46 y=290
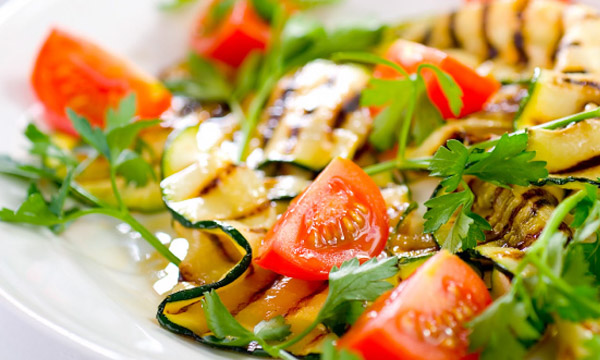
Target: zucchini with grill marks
x=570 y=151
x=579 y=48
x=314 y=116
x=507 y=258
x=542 y=30
x=184 y=146
x=214 y=188
x=251 y=293
x=517 y=215
x=553 y=95
x=502 y=22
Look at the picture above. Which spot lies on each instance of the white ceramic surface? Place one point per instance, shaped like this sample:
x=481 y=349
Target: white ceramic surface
x=84 y=295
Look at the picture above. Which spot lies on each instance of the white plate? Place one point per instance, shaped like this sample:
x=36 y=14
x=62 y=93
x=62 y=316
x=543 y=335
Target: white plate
x=89 y=285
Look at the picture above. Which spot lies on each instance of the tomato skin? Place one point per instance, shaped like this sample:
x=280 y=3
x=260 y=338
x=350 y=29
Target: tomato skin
x=303 y=242
x=476 y=89
x=234 y=38
x=442 y=291
x=71 y=72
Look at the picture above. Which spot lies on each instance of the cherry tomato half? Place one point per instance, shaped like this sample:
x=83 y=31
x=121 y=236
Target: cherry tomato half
x=340 y=216
x=476 y=89
x=422 y=318
x=231 y=39
x=71 y=72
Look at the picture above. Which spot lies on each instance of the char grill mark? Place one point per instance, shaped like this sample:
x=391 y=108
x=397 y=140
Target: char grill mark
x=492 y=52
x=214 y=183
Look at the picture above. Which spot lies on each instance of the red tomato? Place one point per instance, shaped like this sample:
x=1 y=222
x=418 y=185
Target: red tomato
x=424 y=317
x=71 y=72
x=232 y=38
x=476 y=89
x=340 y=216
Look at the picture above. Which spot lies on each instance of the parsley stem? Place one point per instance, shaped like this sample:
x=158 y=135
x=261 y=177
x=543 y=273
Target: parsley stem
x=131 y=221
x=564 y=287
x=410 y=164
x=300 y=336
x=551 y=125
x=402 y=142
x=251 y=121
x=113 y=182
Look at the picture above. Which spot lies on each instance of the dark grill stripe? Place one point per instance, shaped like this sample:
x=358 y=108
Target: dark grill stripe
x=301 y=302
x=452 y=31
x=492 y=52
x=256 y=295
x=214 y=183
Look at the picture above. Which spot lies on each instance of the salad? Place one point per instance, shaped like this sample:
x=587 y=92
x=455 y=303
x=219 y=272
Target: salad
x=418 y=190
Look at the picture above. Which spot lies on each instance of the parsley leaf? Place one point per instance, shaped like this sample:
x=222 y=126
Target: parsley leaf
x=449 y=163
x=228 y=331
x=355 y=282
x=273 y=330
x=427 y=117
x=222 y=323
x=34 y=210
x=42 y=146
x=205 y=81
x=449 y=86
x=93 y=136
x=330 y=352
x=509 y=163
x=441 y=209
x=122 y=115
x=134 y=168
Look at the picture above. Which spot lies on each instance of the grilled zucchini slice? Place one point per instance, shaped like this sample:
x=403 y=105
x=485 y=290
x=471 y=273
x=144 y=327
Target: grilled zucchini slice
x=568 y=151
x=553 y=95
x=313 y=116
x=251 y=293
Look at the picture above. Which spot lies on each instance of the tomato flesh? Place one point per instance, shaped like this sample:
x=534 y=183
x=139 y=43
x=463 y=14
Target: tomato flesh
x=476 y=89
x=71 y=72
x=232 y=39
x=424 y=316
x=340 y=216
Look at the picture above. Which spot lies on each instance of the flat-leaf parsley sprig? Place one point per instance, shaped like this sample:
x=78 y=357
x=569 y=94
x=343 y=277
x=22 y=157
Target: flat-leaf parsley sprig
x=508 y=163
x=407 y=104
x=113 y=144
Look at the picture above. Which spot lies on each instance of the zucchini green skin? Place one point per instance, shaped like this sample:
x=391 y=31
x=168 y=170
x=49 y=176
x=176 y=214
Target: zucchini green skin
x=533 y=85
x=476 y=254
x=566 y=180
x=197 y=292
x=170 y=153
x=263 y=165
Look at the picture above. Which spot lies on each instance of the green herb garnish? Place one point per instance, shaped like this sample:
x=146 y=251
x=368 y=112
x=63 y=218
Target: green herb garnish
x=563 y=284
x=349 y=284
x=113 y=144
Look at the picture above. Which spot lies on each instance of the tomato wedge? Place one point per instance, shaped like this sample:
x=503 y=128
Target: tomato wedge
x=340 y=216
x=424 y=316
x=231 y=39
x=476 y=89
x=71 y=72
